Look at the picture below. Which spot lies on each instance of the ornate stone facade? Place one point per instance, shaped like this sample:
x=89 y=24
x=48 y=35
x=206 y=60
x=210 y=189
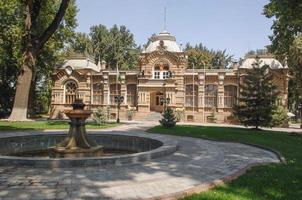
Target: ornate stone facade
x=196 y=95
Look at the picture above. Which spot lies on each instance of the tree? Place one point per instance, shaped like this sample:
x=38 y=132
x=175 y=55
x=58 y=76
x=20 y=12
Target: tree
x=201 y=57
x=257 y=97
x=116 y=46
x=81 y=43
x=168 y=120
x=32 y=42
x=287 y=42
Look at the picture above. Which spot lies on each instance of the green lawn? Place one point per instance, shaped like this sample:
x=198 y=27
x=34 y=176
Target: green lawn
x=40 y=125
x=269 y=182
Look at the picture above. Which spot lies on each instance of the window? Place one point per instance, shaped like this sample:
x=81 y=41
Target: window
x=230 y=96
x=70 y=92
x=161 y=70
x=156 y=74
x=131 y=95
x=166 y=74
x=115 y=90
x=211 y=92
x=191 y=95
x=97 y=93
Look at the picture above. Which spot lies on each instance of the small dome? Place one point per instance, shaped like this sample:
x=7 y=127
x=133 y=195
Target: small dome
x=164 y=39
x=264 y=60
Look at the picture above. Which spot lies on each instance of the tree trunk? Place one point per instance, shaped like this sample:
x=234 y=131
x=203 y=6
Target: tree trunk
x=31 y=112
x=19 y=112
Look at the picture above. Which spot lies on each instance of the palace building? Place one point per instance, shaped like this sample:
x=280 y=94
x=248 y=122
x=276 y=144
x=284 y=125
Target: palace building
x=163 y=79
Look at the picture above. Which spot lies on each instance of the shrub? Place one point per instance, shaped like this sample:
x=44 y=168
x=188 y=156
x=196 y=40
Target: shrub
x=130 y=112
x=100 y=116
x=168 y=120
x=179 y=114
x=279 y=117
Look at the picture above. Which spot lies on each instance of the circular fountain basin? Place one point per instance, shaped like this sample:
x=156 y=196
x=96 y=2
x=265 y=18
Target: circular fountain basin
x=119 y=149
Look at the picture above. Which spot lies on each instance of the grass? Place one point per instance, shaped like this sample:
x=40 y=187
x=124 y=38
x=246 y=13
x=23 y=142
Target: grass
x=268 y=182
x=41 y=125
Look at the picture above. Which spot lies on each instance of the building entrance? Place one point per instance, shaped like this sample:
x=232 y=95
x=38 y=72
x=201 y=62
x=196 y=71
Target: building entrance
x=156 y=104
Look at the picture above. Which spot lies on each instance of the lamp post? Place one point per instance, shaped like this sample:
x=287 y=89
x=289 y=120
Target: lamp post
x=118 y=100
x=165 y=102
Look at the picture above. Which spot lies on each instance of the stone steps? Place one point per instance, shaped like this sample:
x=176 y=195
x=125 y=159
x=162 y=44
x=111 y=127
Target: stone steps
x=152 y=117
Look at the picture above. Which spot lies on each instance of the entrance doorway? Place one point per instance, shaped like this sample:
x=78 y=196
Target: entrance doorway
x=155 y=104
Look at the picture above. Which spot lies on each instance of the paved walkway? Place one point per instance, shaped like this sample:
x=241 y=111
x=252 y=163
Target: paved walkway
x=194 y=167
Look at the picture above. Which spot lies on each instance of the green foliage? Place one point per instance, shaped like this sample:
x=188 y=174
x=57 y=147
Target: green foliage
x=287 y=23
x=100 y=116
x=168 y=120
x=279 y=117
x=201 y=57
x=287 y=42
x=116 y=46
x=41 y=125
x=11 y=26
x=258 y=95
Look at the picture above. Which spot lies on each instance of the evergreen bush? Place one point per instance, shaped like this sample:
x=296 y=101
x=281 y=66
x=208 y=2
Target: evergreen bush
x=168 y=120
x=100 y=116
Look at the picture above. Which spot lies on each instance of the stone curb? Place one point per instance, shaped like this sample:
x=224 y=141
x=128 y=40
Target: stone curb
x=168 y=146
x=208 y=186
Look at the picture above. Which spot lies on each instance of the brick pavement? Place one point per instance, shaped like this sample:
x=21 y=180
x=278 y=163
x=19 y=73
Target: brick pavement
x=197 y=164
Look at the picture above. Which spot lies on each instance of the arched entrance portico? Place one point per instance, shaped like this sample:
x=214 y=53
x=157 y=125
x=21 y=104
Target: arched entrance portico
x=155 y=102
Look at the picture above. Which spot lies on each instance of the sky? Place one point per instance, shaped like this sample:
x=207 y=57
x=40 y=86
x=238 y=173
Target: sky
x=235 y=25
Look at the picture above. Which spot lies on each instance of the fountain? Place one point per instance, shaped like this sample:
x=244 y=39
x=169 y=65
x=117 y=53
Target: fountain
x=79 y=149
x=77 y=143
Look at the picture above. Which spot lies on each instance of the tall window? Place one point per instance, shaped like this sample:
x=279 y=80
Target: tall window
x=115 y=90
x=191 y=95
x=70 y=92
x=131 y=95
x=230 y=95
x=97 y=93
x=211 y=92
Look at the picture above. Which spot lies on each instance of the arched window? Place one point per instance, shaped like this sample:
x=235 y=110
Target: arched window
x=97 y=93
x=191 y=95
x=230 y=96
x=131 y=95
x=161 y=70
x=211 y=92
x=70 y=91
x=115 y=90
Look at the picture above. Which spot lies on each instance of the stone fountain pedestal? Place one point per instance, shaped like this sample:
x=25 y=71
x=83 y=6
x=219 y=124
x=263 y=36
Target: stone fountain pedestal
x=77 y=143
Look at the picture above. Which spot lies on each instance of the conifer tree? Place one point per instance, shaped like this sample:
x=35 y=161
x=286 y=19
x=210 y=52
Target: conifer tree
x=169 y=119
x=257 y=97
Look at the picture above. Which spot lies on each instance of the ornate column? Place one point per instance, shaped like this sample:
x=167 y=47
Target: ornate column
x=123 y=88
x=106 y=91
x=220 y=105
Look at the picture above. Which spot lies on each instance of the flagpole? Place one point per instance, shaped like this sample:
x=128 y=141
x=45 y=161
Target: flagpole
x=117 y=94
x=204 y=86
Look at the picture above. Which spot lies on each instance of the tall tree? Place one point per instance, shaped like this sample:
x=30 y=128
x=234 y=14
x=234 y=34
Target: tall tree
x=287 y=42
x=257 y=98
x=32 y=42
x=116 y=46
x=202 y=57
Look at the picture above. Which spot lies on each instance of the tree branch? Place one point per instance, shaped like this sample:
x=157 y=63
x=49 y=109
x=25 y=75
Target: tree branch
x=35 y=11
x=54 y=24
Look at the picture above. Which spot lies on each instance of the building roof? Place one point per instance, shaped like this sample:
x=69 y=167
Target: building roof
x=264 y=60
x=169 y=43
x=80 y=61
